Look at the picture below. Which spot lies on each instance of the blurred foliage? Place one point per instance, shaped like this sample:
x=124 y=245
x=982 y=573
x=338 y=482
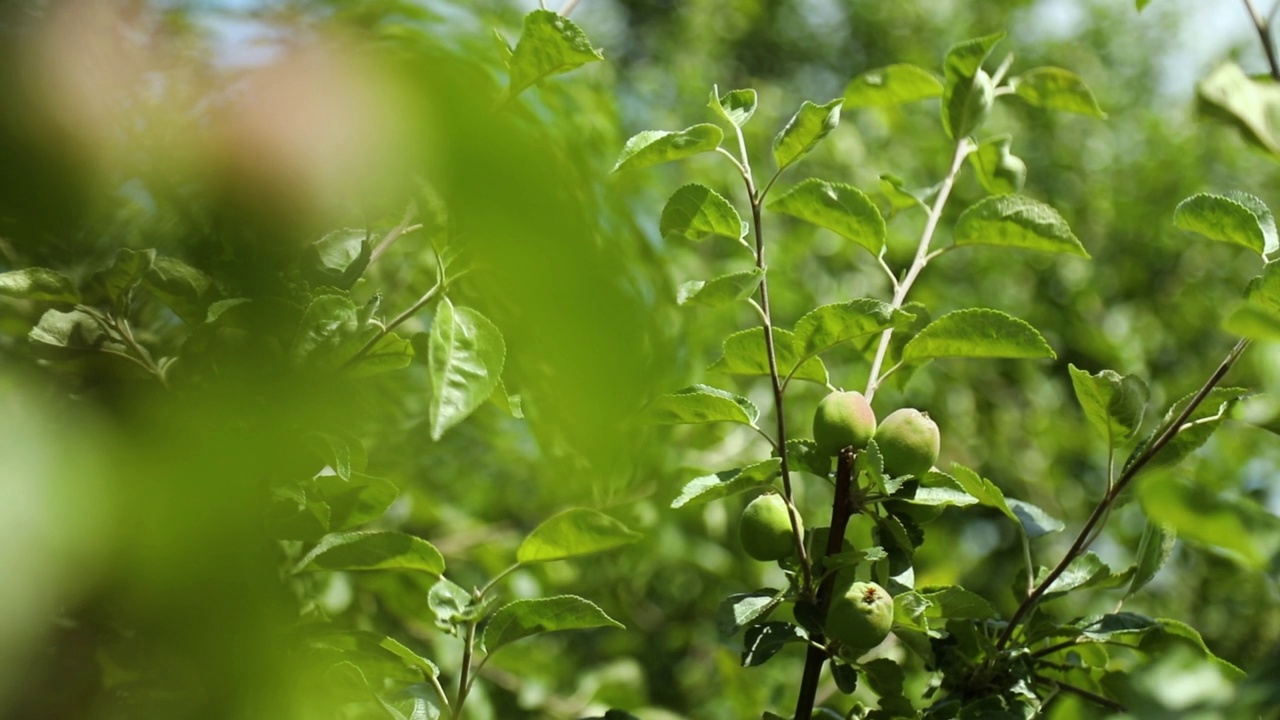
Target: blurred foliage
x=140 y=577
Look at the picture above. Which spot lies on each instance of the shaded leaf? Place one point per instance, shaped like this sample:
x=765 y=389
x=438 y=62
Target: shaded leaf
x=891 y=85
x=1251 y=104
x=967 y=93
x=654 y=147
x=339 y=258
x=696 y=212
x=68 y=335
x=977 y=333
x=572 y=533
x=956 y=603
x=1056 y=89
x=843 y=209
x=184 y=289
x=1154 y=550
x=983 y=489
x=763 y=641
x=1115 y=404
x=1019 y=222
x=524 y=618
x=327 y=333
x=1240 y=528
x=1000 y=171
x=126 y=271
x=1195 y=430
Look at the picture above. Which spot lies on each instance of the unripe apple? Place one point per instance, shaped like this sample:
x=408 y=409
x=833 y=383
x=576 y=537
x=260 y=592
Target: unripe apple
x=908 y=441
x=861 y=618
x=843 y=419
x=765 y=530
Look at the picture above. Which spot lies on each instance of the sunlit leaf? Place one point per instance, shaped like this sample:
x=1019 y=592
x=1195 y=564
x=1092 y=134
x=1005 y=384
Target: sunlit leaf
x=891 y=85
x=724 y=290
x=465 y=357
x=1115 y=404
x=549 y=44
x=728 y=482
x=574 y=532
x=654 y=147
x=744 y=353
x=38 y=284
x=999 y=170
x=1238 y=220
x=804 y=130
x=698 y=404
x=977 y=333
x=1240 y=528
x=373 y=550
x=1019 y=222
x=524 y=618
x=843 y=209
x=829 y=325
x=736 y=106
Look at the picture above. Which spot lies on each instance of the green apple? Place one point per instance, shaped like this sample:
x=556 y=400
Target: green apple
x=909 y=442
x=765 y=530
x=843 y=419
x=861 y=618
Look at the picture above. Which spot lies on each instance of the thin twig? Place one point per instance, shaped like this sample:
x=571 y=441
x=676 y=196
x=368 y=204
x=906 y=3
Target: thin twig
x=568 y=7
x=921 y=259
x=1086 y=535
x=402 y=228
x=1264 y=34
x=1092 y=697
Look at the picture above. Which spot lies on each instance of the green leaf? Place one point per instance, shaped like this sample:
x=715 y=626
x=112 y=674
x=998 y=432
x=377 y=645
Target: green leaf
x=977 y=333
x=1124 y=623
x=1195 y=430
x=68 y=335
x=1000 y=171
x=1085 y=571
x=742 y=609
x=724 y=290
x=696 y=212
x=956 y=603
x=571 y=533
x=181 y=287
x=410 y=658
x=699 y=404
x=744 y=353
x=465 y=356
x=1056 y=89
x=1180 y=632
x=654 y=147
x=829 y=325
x=968 y=93
x=452 y=606
x=940 y=489
x=326 y=334
x=524 y=618
x=804 y=130
x=1251 y=104
x=38 y=284
x=983 y=489
x=728 y=482
x=117 y=281
x=1238 y=527
x=1154 y=550
x=356 y=501
x=1235 y=220
x=339 y=258
x=736 y=106
x=894 y=190
x=1259 y=315
x=891 y=85
x=1016 y=221
x=550 y=44
x=391 y=352
x=373 y=550
x=763 y=641
x=843 y=209
x=1115 y=404
x=1035 y=521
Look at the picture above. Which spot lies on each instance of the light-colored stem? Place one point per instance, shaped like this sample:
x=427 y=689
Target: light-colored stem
x=922 y=257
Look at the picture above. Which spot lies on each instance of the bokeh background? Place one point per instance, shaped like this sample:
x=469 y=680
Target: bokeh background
x=137 y=576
